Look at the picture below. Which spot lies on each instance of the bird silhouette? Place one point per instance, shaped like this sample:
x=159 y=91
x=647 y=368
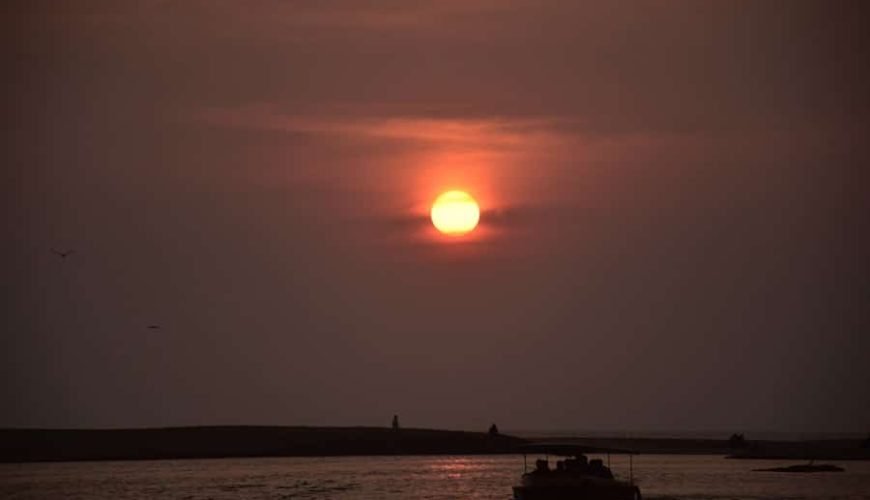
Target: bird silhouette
x=62 y=254
x=153 y=327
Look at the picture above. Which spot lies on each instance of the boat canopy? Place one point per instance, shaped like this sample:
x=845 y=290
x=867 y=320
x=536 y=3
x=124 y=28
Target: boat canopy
x=571 y=449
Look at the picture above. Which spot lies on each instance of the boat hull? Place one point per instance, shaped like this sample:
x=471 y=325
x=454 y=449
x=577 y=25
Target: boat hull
x=590 y=492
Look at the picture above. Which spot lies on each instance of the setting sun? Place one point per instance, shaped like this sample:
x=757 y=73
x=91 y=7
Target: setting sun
x=455 y=213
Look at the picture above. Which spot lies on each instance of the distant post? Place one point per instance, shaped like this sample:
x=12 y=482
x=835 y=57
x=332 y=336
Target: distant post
x=395 y=422
x=736 y=441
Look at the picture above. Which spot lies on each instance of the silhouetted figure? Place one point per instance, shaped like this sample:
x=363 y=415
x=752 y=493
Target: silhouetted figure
x=578 y=464
x=597 y=468
x=62 y=254
x=542 y=466
x=736 y=441
x=395 y=422
x=493 y=430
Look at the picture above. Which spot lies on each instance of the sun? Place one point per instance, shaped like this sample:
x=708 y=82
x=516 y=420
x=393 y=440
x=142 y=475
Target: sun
x=455 y=213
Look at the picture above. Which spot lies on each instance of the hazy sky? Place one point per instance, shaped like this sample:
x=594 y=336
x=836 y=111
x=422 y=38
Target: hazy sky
x=674 y=231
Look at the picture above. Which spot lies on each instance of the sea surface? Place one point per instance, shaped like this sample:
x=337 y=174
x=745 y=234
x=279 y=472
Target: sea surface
x=416 y=477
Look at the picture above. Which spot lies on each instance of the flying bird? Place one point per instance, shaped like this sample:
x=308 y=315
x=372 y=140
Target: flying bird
x=153 y=327
x=62 y=254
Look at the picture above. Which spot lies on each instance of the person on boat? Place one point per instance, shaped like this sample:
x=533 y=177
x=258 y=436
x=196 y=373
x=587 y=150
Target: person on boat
x=578 y=464
x=597 y=468
x=542 y=466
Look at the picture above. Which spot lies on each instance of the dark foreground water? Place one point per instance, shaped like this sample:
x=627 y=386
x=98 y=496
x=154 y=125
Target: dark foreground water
x=456 y=477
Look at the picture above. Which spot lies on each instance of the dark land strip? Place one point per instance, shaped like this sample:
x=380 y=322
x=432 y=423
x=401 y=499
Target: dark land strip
x=42 y=445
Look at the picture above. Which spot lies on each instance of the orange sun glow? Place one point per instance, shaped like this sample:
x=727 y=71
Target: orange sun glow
x=455 y=213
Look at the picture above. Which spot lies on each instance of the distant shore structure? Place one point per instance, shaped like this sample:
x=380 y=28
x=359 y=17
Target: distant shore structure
x=395 y=422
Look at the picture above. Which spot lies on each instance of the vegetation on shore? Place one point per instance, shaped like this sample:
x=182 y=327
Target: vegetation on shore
x=37 y=445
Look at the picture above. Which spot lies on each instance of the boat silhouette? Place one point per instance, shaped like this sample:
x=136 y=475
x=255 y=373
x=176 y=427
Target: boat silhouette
x=574 y=478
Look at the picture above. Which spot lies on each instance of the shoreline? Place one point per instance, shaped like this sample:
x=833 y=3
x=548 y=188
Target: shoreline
x=60 y=445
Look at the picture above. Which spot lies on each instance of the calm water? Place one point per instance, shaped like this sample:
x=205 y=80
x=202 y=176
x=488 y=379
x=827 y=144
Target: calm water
x=458 y=477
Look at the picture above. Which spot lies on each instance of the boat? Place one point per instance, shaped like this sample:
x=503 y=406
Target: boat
x=575 y=477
